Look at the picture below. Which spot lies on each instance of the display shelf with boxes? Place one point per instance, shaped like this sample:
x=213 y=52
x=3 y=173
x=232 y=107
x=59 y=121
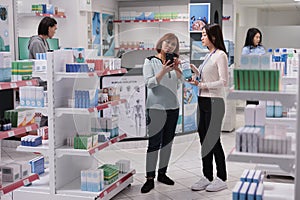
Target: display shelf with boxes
x=18 y=131
x=9 y=187
x=13 y=85
x=66 y=150
x=109 y=191
x=70 y=127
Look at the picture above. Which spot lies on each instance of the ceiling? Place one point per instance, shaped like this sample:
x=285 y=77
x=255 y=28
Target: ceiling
x=275 y=5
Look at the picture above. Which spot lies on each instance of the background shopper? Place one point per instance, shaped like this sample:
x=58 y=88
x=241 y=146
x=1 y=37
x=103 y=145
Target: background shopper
x=253 y=43
x=38 y=43
x=162 y=79
x=253 y=46
x=212 y=78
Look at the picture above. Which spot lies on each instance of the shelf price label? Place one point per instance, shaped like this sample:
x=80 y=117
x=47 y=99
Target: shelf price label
x=28 y=128
x=29 y=83
x=0 y=87
x=13 y=85
x=26 y=182
x=11 y=133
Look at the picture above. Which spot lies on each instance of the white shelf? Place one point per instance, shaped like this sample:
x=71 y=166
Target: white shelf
x=66 y=150
x=41 y=185
x=41 y=75
x=278 y=191
x=87 y=111
x=150 y=21
x=290 y=122
x=108 y=192
x=43 y=149
x=18 y=131
x=286 y=98
x=285 y=161
x=289 y=80
x=8 y=187
x=43 y=110
x=62 y=75
x=17 y=84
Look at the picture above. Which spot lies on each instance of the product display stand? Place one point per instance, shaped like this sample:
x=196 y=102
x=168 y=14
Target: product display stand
x=286 y=163
x=61 y=180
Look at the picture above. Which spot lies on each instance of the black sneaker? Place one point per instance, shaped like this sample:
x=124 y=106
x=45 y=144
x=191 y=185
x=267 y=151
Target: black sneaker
x=164 y=179
x=149 y=185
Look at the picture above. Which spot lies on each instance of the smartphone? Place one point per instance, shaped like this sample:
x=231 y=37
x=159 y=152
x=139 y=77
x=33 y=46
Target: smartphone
x=170 y=56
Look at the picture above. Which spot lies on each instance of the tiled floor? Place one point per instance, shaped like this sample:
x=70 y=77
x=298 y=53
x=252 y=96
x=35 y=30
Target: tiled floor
x=185 y=168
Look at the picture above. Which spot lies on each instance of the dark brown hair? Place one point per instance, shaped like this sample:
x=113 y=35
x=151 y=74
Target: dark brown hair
x=168 y=36
x=215 y=36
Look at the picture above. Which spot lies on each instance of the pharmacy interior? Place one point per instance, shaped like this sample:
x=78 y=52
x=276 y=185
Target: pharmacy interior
x=91 y=91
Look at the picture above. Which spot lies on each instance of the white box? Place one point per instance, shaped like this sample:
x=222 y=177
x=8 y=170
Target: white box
x=250 y=115
x=238 y=139
x=10 y=172
x=244 y=191
x=260 y=115
x=251 y=192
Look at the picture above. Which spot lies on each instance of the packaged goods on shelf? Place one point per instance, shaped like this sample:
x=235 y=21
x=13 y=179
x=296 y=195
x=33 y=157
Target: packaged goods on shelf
x=31 y=140
x=5 y=124
x=5 y=66
x=10 y=172
x=21 y=70
x=43 y=132
x=123 y=165
x=92 y=180
x=37 y=165
x=25 y=168
x=32 y=96
x=98 y=63
x=107 y=125
x=86 y=98
x=110 y=172
x=256 y=79
x=83 y=142
x=248 y=186
x=39 y=66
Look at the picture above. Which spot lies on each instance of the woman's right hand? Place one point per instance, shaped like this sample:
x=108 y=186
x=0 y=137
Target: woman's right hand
x=167 y=67
x=194 y=69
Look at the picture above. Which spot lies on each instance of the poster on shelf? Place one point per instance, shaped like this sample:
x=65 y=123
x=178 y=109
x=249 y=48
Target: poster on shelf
x=96 y=27
x=190 y=100
x=4 y=28
x=131 y=113
x=108 y=39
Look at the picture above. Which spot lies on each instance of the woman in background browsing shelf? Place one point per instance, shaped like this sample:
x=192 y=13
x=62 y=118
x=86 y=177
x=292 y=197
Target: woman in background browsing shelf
x=162 y=79
x=253 y=46
x=211 y=79
x=38 y=43
x=253 y=43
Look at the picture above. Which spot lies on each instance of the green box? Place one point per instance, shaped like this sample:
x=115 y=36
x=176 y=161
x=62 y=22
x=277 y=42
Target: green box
x=256 y=79
x=246 y=79
x=267 y=80
x=261 y=80
x=241 y=79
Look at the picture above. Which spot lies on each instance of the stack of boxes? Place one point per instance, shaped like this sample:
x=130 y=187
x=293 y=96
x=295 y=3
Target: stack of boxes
x=250 y=186
x=20 y=117
x=32 y=96
x=109 y=125
x=21 y=70
x=111 y=173
x=92 y=180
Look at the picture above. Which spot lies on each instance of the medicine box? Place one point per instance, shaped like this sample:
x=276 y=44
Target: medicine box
x=10 y=172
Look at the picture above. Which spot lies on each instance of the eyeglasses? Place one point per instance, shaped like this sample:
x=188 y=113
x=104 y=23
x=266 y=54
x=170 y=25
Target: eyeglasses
x=168 y=42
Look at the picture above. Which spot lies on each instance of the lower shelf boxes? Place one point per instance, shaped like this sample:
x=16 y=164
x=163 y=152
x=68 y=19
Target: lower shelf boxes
x=250 y=186
x=37 y=165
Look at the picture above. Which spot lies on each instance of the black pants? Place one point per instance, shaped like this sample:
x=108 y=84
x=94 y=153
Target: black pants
x=161 y=131
x=211 y=113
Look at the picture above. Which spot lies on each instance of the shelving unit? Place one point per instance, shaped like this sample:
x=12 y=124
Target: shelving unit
x=9 y=187
x=287 y=163
x=62 y=178
x=13 y=85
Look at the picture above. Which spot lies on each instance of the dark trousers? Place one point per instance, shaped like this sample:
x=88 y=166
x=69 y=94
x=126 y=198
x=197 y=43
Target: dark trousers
x=211 y=113
x=161 y=132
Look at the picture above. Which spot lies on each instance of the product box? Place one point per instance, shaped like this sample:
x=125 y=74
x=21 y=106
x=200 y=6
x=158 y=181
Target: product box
x=260 y=115
x=83 y=180
x=244 y=191
x=252 y=191
x=238 y=141
x=10 y=172
x=250 y=115
x=260 y=192
x=25 y=168
x=257 y=176
x=236 y=190
x=244 y=175
x=250 y=175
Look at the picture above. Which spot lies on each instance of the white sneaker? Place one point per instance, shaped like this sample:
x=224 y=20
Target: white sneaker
x=216 y=185
x=201 y=184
